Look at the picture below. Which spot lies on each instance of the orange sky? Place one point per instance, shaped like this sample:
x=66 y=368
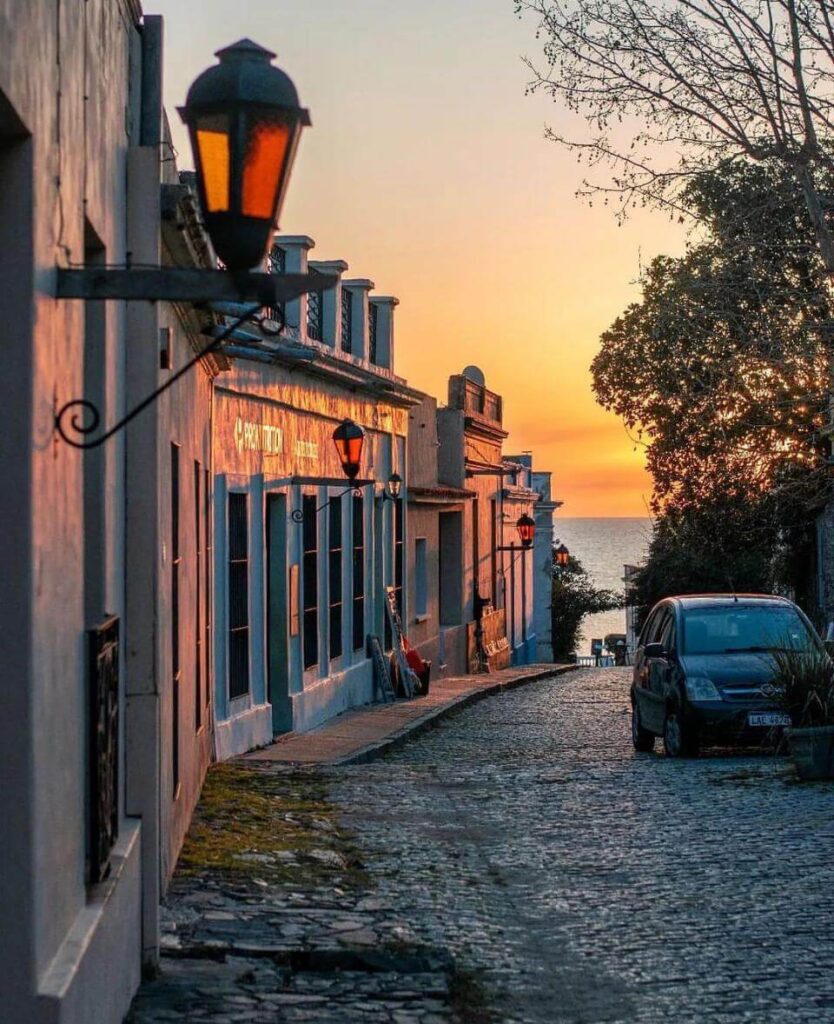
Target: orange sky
x=426 y=169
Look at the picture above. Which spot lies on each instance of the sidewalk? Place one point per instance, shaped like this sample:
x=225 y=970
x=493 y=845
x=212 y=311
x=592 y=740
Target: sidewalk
x=362 y=735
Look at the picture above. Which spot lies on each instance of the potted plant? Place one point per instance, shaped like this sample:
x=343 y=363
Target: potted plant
x=803 y=687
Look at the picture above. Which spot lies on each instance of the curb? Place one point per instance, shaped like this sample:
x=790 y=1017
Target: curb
x=420 y=725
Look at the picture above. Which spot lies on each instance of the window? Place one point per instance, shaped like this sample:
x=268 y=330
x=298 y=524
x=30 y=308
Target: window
x=493 y=551
x=347 y=320
x=421 y=580
x=198 y=597
x=207 y=581
x=754 y=628
x=358 y=573
x=176 y=561
x=238 y=595
x=373 y=324
x=277 y=264
x=315 y=302
x=335 y=540
x=398 y=569
x=310 y=582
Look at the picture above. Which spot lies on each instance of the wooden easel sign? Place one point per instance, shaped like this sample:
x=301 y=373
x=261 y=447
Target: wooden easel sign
x=410 y=682
x=383 y=677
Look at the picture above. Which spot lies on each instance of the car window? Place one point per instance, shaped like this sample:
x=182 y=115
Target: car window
x=649 y=626
x=739 y=627
x=667 y=632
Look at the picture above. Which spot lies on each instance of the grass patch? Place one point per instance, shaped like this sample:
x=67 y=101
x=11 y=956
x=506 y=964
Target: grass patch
x=270 y=825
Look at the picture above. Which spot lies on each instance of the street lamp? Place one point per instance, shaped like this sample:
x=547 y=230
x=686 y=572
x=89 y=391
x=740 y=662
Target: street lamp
x=349 y=439
x=526 y=527
x=562 y=556
x=245 y=120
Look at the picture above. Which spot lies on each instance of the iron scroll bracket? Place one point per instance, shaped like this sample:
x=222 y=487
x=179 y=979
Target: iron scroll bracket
x=297 y=514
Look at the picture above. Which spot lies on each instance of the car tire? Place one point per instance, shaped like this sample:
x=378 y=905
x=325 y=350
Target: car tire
x=678 y=738
x=641 y=738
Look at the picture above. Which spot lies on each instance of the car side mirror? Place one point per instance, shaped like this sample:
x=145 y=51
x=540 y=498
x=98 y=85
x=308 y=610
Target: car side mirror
x=654 y=651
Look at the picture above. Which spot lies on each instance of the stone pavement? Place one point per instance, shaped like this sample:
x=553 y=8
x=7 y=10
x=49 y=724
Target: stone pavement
x=585 y=884
x=362 y=735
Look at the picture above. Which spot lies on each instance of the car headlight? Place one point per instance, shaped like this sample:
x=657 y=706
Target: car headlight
x=701 y=688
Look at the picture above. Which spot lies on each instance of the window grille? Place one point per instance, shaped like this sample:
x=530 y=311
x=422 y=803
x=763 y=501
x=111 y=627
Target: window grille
x=198 y=598
x=358 y=573
x=207 y=581
x=238 y=595
x=421 y=582
x=315 y=302
x=335 y=576
x=103 y=749
x=373 y=323
x=310 y=583
x=347 y=320
x=398 y=569
x=176 y=561
x=276 y=264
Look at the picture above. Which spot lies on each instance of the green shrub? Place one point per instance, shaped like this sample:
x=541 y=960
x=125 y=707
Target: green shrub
x=803 y=686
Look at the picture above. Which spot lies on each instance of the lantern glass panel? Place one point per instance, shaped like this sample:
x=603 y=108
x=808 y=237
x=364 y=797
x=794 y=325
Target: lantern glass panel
x=268 y=143
x=212 y=137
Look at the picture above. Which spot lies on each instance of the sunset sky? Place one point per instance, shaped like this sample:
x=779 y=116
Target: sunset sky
x=427 y=170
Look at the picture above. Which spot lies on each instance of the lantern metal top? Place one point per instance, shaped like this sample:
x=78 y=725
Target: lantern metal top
x=245 y=75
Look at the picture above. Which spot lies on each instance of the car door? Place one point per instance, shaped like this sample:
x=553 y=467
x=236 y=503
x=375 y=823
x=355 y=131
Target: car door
x=642 y=670
x=658 y=671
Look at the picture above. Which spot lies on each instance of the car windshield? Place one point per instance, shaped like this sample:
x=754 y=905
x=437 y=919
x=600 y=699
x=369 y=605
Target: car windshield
x=743 y=627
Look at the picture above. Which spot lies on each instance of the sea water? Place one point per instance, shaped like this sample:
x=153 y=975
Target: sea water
x=604 y=546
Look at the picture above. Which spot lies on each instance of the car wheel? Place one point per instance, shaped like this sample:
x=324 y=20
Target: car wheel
x=642 y=739
x=678 y=738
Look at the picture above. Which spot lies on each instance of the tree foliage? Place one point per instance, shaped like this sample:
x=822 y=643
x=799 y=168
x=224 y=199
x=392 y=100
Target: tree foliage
x=573 y=596
x=667 y=89
x=722 y=368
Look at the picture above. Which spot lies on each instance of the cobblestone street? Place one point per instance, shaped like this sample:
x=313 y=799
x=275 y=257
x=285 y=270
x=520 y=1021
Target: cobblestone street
x=517 y=864
x=584 y=883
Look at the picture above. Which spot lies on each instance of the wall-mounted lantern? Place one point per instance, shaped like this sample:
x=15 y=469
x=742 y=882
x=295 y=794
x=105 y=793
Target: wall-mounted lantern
x=526 y=527
x=562 y=556
x=245 y=120
x=349 y=439
x=394 y=488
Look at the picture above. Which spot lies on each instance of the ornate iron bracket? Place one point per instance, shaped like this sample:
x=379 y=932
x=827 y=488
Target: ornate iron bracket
x=79 y=408
x=297 y=514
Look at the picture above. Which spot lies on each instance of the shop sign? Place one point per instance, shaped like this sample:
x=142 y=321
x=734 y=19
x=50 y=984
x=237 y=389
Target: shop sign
x=258 y=437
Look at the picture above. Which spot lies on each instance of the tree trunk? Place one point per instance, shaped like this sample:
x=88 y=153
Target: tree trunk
x=825 y=240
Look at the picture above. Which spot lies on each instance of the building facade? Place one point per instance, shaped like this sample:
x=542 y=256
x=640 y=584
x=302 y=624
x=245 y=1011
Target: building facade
x=70 y=887
x=302 y=560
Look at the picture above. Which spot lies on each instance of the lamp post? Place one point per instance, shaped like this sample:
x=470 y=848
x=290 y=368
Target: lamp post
x=526 y=528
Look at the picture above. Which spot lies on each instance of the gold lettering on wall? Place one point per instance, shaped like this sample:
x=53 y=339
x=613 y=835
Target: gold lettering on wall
x=258 y=437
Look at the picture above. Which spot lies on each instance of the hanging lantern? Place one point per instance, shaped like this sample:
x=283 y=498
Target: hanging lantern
x=562 y=555
x=349 y=439
x=395 y=484
x=526 y=527
x=245 y=121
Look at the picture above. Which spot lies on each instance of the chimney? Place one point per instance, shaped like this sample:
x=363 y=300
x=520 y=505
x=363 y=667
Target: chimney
x=331 y=302
x=356 y=313
x=295 y=261
x=381 y=330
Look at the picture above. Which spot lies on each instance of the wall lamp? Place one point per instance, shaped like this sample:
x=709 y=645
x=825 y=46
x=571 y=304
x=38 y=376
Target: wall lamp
x=562 y=555
x=349 y=439
x=394 y=489
x=245 y=120
x=526 y=527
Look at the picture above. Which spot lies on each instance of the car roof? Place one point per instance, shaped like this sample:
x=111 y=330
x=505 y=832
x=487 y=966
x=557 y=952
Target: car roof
x=685 y=601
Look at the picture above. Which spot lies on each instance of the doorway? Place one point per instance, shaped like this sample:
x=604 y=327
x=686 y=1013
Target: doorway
x=277 y=640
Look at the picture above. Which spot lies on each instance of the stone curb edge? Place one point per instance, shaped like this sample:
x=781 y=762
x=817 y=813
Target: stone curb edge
x=398 y=739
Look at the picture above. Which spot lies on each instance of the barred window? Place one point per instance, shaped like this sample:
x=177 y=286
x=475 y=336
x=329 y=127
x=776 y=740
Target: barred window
x=358 y=573
x=238 y=595
x=176 y=562
x=310 y=582
x=347 y=320
x=276 y=264
x=198 y=597
x=373 y=322
x=335 y=567
x=315 y=301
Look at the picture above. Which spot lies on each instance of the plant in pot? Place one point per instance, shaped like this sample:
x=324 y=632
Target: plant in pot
x=803 y=687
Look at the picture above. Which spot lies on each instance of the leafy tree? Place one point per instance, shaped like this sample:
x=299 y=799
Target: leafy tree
x=669 y=88
x=573 y=596
x=721 y=369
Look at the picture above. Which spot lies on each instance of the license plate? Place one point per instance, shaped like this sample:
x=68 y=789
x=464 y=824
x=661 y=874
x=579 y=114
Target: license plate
x=768 y=718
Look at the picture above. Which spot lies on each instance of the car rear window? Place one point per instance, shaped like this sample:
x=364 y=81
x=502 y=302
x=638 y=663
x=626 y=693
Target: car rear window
x=740 y=627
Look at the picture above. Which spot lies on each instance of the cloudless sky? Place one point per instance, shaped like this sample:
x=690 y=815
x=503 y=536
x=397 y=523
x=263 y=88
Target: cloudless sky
x=426 y=169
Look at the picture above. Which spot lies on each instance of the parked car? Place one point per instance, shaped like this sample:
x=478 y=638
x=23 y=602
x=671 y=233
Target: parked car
x=702 y=669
